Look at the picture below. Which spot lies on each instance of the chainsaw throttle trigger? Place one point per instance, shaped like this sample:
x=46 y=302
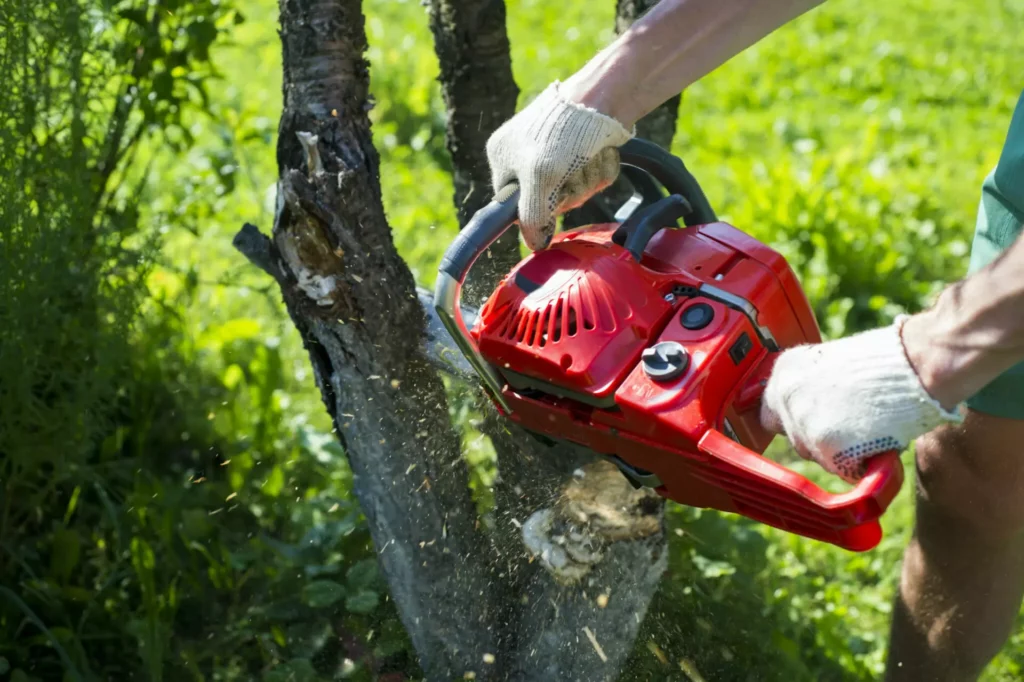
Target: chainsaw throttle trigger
x=635 y=233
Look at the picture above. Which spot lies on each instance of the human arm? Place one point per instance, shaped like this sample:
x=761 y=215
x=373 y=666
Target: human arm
x=562 y=148
x=973 y=333
x=843 y=401
x=674 y=45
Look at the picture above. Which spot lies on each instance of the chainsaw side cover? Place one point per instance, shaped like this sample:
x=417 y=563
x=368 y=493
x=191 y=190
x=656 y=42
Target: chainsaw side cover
x=660 y=365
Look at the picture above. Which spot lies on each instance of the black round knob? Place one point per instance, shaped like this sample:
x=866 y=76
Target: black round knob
x=665 y=360
x=696 y=316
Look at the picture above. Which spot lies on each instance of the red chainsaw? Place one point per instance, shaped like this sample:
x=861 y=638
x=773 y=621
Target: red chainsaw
x=650 y=344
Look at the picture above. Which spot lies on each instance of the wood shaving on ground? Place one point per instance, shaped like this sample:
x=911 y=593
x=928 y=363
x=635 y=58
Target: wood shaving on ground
x=658 y=653
x=690 y=669
x=597 y=647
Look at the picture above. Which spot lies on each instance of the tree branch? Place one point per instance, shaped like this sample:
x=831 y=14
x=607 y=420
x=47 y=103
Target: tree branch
x=538 y=644
x=260 y=251
x=480 y=94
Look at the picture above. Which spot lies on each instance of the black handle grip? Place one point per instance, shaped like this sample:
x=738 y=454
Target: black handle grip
x=670 y=172
x=634 y=234
x=482 y=230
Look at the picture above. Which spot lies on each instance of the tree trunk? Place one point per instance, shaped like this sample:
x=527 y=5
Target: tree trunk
x=480 y=94
x=332 y=252
x=526 y=586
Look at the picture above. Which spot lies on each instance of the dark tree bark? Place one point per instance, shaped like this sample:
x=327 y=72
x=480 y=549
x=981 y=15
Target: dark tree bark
x=480 y=94
x=353 y=300
x=556 y=582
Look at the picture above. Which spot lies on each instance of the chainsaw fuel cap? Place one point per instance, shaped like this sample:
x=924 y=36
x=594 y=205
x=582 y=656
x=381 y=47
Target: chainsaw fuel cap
x=665 y=360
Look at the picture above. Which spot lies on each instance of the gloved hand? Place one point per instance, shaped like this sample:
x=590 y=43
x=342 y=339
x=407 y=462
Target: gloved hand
x=842 y=401
x=561 y=153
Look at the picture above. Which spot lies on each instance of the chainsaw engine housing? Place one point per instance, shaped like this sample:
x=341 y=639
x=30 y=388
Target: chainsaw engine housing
x=568 y=328
x=650 y=344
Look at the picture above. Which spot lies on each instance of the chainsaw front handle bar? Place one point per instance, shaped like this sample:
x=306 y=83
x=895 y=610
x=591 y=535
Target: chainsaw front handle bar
x=490 y=222
x=480 y=232
x=502 y=212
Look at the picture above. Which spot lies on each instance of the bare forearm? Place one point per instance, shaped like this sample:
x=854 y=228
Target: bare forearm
x=672 y=46
x=973 y=333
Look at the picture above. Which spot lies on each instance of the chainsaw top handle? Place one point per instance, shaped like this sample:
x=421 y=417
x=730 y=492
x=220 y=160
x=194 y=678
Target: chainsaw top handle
x=490 y=222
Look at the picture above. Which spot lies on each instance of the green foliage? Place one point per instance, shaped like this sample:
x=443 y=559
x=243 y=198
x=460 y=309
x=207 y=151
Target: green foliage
x=88 y=82
x=149 y=523
x=181 y=508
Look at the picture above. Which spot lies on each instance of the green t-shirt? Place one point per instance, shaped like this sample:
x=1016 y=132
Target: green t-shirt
x=1000 y=217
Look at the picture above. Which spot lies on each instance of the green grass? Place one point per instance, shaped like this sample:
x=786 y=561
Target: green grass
x=854 y=140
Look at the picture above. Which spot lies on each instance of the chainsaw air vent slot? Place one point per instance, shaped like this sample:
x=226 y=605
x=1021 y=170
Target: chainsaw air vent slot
x=556 y=321
x=582 y=306
x=544 y=327
x=502 y=319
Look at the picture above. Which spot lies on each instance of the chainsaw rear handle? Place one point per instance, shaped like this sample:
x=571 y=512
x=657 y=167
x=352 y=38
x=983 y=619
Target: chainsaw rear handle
x=851 y=515
x=772 y=493
x=490 y=222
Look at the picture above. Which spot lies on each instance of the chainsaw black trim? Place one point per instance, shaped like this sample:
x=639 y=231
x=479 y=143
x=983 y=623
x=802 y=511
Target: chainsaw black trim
x=670 y=171
x=764 y=335
x=637 y=231
x=644 y=184
x=521 y=382
x=525 y=283
x=740 y=348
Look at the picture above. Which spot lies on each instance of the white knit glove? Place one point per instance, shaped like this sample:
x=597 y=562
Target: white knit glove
x=561 y=153
x=842 y=401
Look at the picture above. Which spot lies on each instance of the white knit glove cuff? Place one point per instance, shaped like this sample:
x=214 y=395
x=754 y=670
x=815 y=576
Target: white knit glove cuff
x=842 y=401
x=561 y=153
